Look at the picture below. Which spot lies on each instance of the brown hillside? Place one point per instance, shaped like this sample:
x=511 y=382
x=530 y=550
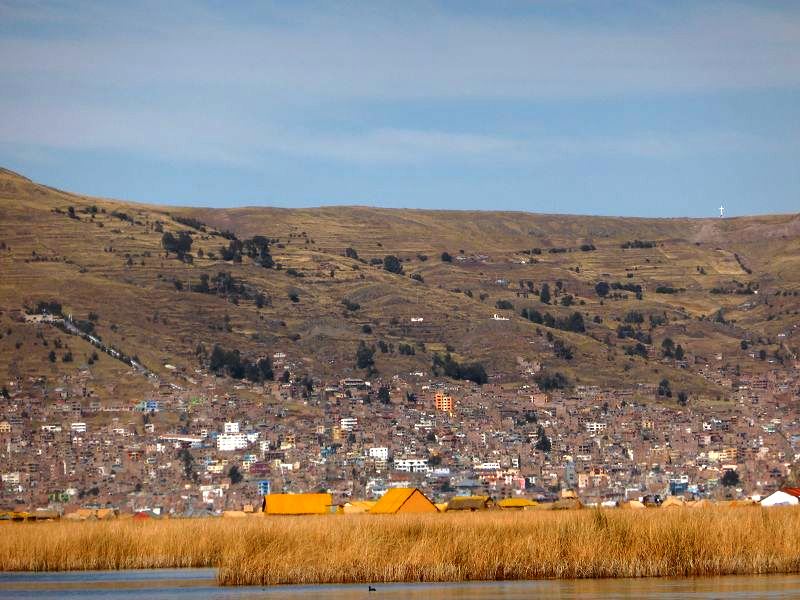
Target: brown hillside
x=110 y=262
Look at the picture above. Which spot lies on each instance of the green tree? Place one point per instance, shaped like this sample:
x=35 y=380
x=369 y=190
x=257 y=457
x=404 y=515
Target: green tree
x=383 y=395
x=547 y=382
x=392 y=264
x=543 y=443
x=365 y=356
x=544 y=294
x=187 y=459
x=180 y=245
x=235 y=475
x=730 y=478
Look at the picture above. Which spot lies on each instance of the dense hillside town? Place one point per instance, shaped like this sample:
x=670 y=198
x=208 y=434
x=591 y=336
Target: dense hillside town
x=186 y=361
x=197 y=445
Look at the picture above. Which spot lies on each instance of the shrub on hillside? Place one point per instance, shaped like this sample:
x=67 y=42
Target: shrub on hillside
x=392 y=264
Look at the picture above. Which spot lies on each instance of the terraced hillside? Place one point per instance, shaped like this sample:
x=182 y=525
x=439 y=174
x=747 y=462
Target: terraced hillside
x=165 y=285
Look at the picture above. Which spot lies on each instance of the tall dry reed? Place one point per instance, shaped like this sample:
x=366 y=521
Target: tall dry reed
x=448 y=547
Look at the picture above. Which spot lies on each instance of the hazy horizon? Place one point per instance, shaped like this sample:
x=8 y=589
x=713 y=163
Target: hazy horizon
x=233 y=206
x=611 y=108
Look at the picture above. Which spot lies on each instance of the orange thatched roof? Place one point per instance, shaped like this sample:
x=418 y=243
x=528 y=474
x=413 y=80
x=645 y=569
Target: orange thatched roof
x=792 y=491
x=403 y=500
x=298 y=504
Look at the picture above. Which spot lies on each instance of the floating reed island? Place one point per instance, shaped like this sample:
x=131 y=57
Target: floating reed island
x=264 y=550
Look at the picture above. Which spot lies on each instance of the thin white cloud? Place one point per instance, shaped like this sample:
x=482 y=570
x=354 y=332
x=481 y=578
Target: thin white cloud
x=399 y=146
x=421 y=54
x=139 y=78
x=193 y=135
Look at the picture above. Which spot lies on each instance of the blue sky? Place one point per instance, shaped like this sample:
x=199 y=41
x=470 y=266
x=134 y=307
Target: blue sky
x=646 y=108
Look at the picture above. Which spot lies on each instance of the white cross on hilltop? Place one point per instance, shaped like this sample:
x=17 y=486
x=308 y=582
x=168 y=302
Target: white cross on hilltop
x=721 y=211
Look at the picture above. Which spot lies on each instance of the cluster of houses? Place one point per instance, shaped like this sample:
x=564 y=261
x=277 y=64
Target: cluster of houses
x=394 y=501
x=201 y=445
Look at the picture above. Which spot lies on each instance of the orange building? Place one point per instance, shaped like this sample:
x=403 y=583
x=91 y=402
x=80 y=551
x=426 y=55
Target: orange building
x=443 y=402
x=403 y=500
x=297 y=504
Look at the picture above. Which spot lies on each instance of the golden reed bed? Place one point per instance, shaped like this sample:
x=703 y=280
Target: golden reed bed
x=444 y=547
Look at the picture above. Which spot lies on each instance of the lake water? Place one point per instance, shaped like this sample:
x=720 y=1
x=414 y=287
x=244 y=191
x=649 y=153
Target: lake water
x=193 y=584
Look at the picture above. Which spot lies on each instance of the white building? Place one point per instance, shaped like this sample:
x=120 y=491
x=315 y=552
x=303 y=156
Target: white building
x=348 y=423
x=178 y=439
x=594 y=427
x=78 y=427
x=11 y=478
x=227 y=442
x=379 y=453
x=784 y=497
x=411 y=465
x=232 y=427
x=488 y=466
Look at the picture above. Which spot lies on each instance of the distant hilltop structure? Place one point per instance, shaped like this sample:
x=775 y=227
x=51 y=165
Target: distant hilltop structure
x=721 y=211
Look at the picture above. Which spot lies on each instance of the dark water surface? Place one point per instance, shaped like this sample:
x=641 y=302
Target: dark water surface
x=191 y=584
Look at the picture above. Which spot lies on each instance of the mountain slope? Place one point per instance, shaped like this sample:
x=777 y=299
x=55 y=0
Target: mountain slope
x=706 y=285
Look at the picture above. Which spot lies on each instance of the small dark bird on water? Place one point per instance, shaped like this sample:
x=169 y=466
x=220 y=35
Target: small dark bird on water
x=371 y=589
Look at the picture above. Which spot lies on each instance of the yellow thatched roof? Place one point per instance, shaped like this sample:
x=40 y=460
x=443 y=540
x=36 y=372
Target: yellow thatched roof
x=82 y=514
x=567 y=504
x=403 y=500
x=746 y=502
x=673 y=501
x=702 y=503
x=470 y=503
x=45 y=515
x=358 y=506
x=298 y=504
x=515 y=503
x=15 y=515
